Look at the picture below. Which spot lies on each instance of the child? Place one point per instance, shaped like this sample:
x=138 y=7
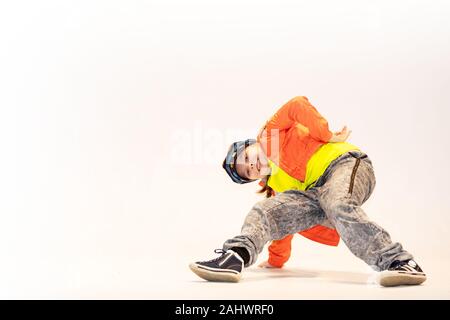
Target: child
x=321 y=183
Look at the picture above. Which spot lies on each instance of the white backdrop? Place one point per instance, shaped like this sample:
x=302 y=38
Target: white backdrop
x=97 y=98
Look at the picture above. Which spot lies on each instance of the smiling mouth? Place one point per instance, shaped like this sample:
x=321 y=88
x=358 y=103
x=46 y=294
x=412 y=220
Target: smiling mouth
x=258 y=164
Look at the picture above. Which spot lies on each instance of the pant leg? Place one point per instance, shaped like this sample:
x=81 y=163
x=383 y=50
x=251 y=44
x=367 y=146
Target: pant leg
x=276 y=217
x=349 y=183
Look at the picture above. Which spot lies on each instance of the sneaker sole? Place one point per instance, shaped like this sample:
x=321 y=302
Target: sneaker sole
x=216 y=276
x=393 y=278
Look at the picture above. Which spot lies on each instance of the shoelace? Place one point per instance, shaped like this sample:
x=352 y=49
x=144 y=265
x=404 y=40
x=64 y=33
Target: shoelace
x=404 y=266
x=218 y=251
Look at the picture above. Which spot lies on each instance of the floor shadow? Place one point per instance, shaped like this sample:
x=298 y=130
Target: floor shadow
x=261 y=274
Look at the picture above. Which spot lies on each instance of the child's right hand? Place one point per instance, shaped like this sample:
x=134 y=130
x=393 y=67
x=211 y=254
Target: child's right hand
x=341 y=136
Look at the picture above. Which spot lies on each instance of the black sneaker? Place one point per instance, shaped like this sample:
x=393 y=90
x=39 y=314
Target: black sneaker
x=402 y=273
x=227 y=267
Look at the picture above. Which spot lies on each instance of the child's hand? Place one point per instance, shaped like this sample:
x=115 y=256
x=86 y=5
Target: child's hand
x=341 y=136
x=266 y=264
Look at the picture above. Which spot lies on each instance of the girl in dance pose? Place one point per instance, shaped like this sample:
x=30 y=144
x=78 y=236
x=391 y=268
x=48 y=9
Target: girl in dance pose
x=317 y=183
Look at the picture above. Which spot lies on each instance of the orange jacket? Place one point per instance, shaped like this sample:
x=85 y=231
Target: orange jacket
x=300 y=129
x=289 y=139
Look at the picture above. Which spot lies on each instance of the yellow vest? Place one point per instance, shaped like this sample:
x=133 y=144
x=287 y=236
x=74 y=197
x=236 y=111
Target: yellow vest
x=280 y=181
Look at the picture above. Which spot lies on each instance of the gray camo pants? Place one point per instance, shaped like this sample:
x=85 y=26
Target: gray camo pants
x=336 y=198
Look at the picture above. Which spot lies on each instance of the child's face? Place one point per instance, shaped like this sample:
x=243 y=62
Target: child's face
x=252 y=163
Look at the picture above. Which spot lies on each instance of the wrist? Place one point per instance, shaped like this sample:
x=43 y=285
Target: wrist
x=333 y=138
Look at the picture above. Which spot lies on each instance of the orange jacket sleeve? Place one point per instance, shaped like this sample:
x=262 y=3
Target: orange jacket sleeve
x=300 y=110
x=280 y=251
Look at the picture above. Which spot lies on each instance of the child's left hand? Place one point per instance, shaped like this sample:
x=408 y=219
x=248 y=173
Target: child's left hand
x=266 y=264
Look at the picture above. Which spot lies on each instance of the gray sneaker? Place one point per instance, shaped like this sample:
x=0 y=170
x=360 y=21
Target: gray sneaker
x=402 y=273
x=227 y=267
